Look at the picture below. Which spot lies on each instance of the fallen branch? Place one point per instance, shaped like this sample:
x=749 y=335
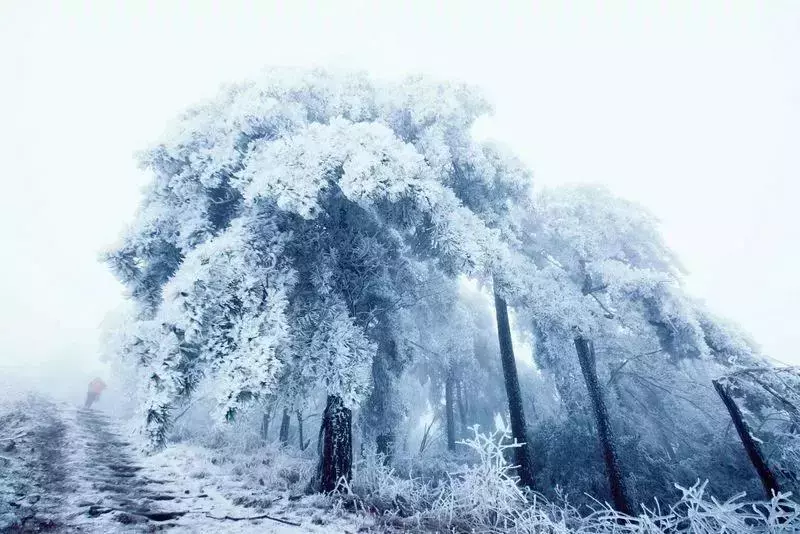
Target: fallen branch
x=187 y=408
x=12 y=438
x=264 y=516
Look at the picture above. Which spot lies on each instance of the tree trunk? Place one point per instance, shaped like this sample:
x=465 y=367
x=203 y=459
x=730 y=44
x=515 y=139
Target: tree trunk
x=384 y=445
x=450 y=413
x=301 y=440
x=586 y=356
x=468 y=415
x=515 y=410
x=264 y=433
x=380 y=415
x=265 y=420
x=767 y=477
x=462 y=414
x=336 y=450
x=284 y=434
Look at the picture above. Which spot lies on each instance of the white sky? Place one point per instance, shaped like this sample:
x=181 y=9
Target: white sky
x=691 y=108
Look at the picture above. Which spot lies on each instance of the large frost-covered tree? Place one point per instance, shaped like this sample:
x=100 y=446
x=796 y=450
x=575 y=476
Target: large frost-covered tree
x=264 y=247
x=223 y=313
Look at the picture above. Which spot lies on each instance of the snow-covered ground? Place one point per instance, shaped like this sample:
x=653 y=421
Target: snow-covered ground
x=66 y=469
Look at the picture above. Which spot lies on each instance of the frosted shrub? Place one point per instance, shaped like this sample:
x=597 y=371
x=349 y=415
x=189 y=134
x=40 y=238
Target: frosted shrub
x=378 y=485
x=485 y=493
x=194 y=423
x=697 y=513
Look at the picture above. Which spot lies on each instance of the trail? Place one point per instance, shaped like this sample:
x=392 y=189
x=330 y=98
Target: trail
x=113 y=476
x=68 y=470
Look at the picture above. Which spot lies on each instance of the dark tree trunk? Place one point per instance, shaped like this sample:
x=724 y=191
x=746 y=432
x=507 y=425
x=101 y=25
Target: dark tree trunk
x=336 y=450
x=586 y=356
x=302 y=441
x=450 y=413
x=468 y=415
x=767 y=477
x=265 y=420
x=515 y=410
x=462 y=414
x=265 y=427
x=380 y=414
x=284 y=434
x=385 y=445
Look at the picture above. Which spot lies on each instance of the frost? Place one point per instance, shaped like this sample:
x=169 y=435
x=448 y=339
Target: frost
x=308 y=235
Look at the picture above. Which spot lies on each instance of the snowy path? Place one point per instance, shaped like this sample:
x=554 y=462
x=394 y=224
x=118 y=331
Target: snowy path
x=68 y=470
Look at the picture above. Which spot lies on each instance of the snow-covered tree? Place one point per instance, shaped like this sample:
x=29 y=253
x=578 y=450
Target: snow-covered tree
x=223 y=313
x=614 y=285
x=771 y=399
x=265 y=245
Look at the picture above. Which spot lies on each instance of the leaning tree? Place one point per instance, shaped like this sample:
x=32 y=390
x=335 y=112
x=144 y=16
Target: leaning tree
x=765 y=401
x=616 y=285
x=273 y=237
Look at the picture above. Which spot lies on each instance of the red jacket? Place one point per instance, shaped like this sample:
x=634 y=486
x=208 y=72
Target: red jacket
x=97 y=386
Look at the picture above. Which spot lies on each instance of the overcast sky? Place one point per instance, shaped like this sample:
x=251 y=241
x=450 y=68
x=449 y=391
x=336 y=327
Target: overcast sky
x=691 y=108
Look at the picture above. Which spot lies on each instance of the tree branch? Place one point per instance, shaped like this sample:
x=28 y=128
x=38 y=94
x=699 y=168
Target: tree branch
x=12 y=438
x=263 y=516
x=616 y=371
x=652 y=384
x=609 y=313
x=189 y=407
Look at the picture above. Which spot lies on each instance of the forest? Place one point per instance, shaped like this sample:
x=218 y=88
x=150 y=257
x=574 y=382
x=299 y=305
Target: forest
x=328 y=272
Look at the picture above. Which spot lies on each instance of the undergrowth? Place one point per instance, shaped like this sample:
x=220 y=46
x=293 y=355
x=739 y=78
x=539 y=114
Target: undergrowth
x=477 y=490
x=483 y=496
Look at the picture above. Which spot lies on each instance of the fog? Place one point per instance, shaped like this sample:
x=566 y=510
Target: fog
x=691 y=109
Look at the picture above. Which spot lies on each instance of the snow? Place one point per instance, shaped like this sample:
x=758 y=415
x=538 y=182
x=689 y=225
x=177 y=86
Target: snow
x=227 y=481
x=71 y=468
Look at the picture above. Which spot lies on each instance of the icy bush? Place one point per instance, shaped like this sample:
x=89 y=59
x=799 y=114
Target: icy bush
x=380 y=487
x=698 y=513
x=486 y=493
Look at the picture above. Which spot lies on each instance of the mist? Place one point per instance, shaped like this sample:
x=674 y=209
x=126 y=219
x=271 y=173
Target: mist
x=631 y=133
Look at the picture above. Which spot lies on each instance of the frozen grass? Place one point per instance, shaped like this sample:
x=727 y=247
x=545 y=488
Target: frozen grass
x=484 y=497
x=474 y=491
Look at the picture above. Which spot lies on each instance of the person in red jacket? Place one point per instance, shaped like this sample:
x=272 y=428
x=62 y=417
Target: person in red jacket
x=96 y=387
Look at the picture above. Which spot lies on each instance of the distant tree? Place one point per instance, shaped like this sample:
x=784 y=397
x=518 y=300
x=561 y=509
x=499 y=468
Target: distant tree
x=443 y=347
x=501 y=192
